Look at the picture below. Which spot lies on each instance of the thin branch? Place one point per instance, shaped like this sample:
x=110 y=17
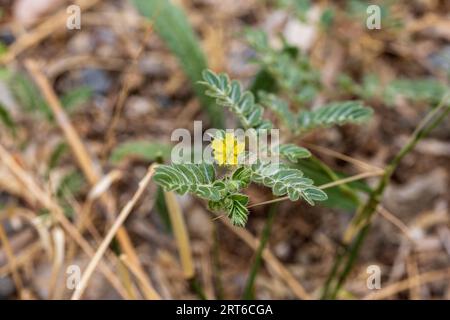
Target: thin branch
x=84 y=159
x=149 y=292
x=338 y=155
x=327 y=185
x=42 y=31
x=395 y=221
x=111 y=233
x=47 y=202
x=12 y=260
x=249 y=291
x=360 y=225
x=420 y=279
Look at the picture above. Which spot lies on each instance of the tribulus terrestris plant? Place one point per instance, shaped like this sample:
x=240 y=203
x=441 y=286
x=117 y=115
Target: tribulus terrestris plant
x=222 y=184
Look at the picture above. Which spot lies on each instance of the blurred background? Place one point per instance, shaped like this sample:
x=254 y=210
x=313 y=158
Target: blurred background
x=126 y=76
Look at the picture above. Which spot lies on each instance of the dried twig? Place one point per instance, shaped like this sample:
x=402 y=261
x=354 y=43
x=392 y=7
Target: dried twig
x=111 y=233
x=42 y=31
x=47 y=202
x=271 y=260
x=181 y=235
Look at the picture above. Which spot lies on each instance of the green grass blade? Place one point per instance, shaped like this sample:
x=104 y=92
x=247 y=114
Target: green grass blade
x=173 y=27
x=249 y=291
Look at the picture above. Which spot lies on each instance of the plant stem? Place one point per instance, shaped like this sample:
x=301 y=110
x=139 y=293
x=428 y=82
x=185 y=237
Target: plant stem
x=249 y=291
x=327 y=185
x=216 y=265
x=359 y=227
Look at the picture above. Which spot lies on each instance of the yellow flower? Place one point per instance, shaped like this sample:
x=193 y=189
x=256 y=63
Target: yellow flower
x=227 y=150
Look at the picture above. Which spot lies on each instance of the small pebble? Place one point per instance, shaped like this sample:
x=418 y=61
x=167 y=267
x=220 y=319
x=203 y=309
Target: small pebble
x=97 y=80
x=6 y=288
x=6 y=37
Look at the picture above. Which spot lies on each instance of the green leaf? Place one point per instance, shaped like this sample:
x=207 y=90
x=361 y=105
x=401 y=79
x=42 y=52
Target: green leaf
x=284 y=180
x=229 y=94
x=293 y=152
x=198 y=179
x=240 y=178
x=279 y=107
x=173 y=27
x=3 y=47
x=235 y=206
x=76 y=97
x=149 y=151
x=337 y=113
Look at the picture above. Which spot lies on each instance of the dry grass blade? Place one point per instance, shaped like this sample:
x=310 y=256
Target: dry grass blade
x=271 y=260
x=81 y=154
x=395 y=221
x=58 y=260
x=42 y=31
x=359 y=163
x=47 y=202
x=111 y=233
x=181 y=235
x=149 y=292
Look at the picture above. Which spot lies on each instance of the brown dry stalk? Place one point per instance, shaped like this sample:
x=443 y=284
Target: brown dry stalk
x=12 y=260
x=181 y=234
x=46 y=201
x=81 y=154
x=58 y=260
x=149 y=292
x=127 y=85
x=271 y=260
x=42 y=31
x=111 y=233
x=406 y=284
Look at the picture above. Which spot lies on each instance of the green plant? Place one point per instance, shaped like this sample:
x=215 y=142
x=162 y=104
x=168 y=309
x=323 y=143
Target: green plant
x=361 y=223
x=336 y=113
x=173 y=27
x=224 y=192
x=289 y=69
